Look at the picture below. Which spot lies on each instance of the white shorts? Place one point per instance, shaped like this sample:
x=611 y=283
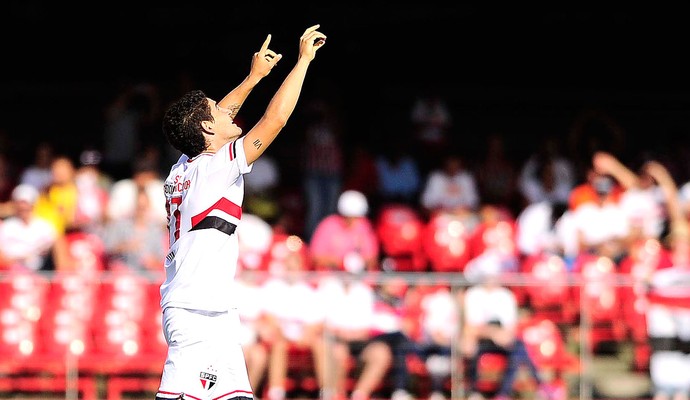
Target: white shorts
x=205 y=358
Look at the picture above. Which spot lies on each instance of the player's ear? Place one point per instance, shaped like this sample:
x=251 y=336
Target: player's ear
x=207 y=126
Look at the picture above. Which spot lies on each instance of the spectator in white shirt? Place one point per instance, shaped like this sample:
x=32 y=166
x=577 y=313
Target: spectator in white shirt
x=452 y=187
x=26 y=240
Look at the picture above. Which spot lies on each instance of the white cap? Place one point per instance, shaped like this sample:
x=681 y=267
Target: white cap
x=25 y=192
x=352 y=203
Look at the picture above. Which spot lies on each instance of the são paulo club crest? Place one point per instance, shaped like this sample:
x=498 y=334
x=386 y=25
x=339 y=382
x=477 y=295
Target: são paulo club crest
x=208 y=378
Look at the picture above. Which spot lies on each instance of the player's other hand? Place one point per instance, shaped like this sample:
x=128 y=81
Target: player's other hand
x=265 y=59
x=310 y=42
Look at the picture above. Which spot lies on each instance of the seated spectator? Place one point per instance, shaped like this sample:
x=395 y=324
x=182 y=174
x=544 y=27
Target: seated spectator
x=366 y=325
x=602 y=224
x=490 y=326
x=347 y=306
x=27 y=241
x=292 y=320
x=438 y=328
x=546 y=175
x=136 y=242
x=58 y=201
x=399 y=176
x=392 y=328
x=123 y=193
x=538 y=227
x=346 y=240
x=451 y=187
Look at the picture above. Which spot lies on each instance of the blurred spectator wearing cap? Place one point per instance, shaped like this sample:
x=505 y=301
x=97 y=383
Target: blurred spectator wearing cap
x=346 y=240
x=26 y=240
x=490 y=313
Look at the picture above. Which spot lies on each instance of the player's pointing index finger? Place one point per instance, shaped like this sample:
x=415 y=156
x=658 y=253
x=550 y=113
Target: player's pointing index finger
x=265 y=45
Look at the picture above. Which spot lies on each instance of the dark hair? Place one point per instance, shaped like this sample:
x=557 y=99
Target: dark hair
x=182 y=123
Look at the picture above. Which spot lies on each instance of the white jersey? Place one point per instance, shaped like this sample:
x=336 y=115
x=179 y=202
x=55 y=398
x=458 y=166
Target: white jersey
x=204 y=205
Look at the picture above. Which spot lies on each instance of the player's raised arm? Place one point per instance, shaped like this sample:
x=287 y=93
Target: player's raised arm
x=284 y=101
x=263 y=62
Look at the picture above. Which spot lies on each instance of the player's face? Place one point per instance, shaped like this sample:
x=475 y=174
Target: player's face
x=224 y=125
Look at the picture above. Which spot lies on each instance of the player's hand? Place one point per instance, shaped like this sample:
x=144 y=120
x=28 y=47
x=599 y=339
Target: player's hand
x=311 y=41
x=265 y=59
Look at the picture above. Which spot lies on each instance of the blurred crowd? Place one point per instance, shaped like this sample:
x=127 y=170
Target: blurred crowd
x=323 y=215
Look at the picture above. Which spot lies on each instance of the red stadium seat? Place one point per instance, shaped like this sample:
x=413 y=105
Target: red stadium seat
x=40 y=328
x=490 y=370
x=65 y=327
x=547 y=290
x=86 y=252
x=282 y=246
x=399 y=229
x=497 y=235
x=146 y=364
x=445 y=242
x=119 y=328
x=22 y=300
x=599 y=297
x=546 y=346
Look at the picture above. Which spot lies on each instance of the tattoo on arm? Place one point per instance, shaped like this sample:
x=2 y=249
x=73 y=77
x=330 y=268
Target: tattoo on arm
x=257 y=144
x=234 y=109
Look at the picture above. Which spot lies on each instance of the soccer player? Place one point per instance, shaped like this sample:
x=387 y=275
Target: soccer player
x=204 y=193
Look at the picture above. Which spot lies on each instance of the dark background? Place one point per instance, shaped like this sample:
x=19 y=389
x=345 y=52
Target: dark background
x=521 y=69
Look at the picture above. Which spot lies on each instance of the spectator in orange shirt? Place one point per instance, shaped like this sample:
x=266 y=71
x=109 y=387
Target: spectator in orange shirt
x=601 y=224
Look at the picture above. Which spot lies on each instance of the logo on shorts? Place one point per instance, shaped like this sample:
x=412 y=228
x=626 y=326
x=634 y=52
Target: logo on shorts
x=208 y=378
